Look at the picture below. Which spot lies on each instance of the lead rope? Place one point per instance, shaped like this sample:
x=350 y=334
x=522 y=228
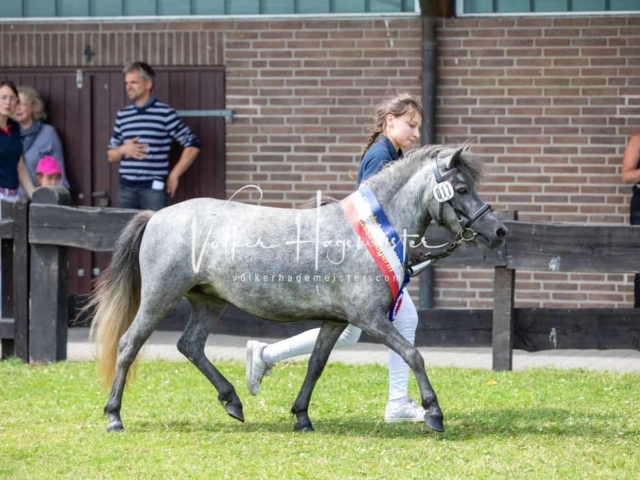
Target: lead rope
x=465 y=235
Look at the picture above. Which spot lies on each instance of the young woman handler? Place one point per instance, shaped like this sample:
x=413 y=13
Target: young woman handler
x=397 y=126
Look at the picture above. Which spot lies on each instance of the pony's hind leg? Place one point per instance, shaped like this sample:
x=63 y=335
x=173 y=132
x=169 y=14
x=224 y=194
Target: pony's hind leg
x=327 y=338
x=145 y=322
x=206 y=310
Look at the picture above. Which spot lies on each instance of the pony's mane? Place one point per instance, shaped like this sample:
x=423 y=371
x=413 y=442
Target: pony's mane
x=471 y=167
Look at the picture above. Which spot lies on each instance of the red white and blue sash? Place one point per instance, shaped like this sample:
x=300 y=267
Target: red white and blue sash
x=381 y=240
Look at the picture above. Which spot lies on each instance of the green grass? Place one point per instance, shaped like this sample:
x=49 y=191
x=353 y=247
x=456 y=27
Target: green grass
x=537 y=424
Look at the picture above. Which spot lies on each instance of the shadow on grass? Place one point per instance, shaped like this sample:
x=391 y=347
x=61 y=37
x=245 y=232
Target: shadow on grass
x=459 y=426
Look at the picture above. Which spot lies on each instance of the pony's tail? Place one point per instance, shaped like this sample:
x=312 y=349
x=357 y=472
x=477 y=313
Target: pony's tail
x=117 y=297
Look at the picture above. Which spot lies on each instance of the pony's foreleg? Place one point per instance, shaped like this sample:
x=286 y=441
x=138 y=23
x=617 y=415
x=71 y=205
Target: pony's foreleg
x=381 y=329
x=206 y=310
x=327 y=338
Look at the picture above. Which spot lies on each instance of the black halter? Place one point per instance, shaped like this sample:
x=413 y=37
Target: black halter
x=470 y=220
x=466 y=233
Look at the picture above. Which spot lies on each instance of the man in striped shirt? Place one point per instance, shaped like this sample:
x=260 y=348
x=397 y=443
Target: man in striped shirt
x=141 y=142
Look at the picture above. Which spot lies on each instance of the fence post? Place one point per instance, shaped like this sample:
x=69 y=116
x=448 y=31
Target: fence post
x=503 y=301
x=6 y=283
x=503 y=318
x=49 y=286
x=21 y=278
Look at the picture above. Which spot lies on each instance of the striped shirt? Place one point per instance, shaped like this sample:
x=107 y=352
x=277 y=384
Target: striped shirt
x=157 y=124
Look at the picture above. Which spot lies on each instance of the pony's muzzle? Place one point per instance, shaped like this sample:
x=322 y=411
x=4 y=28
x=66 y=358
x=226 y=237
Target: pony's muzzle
x=501 y=233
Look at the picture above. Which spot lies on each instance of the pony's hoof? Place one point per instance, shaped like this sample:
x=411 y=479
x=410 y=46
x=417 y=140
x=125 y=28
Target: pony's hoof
x=303 y=428
x=235 y=410
x=115 y=427
x=435 y=423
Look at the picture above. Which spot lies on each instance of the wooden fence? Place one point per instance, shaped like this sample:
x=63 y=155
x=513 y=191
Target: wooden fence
x=14 y=324
x=53 y=226
x=543 y=247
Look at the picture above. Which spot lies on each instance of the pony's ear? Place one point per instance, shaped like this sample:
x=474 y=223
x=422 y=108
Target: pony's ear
x=452 y=160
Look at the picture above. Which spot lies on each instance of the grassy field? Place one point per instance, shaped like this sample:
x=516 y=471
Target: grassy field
x=538 y=424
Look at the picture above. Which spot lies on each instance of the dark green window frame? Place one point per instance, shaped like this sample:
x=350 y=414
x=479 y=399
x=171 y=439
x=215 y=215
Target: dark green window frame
x=498 y=7
x=163 y=8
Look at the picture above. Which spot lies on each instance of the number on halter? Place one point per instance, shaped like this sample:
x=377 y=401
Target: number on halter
x=443 y=192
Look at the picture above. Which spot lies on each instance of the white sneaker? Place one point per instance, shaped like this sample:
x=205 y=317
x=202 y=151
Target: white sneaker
x=257 y=368
x=404 y=411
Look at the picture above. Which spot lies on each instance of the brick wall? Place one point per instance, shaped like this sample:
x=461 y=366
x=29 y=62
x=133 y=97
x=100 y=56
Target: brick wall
x=302 y=92
x=549 y=102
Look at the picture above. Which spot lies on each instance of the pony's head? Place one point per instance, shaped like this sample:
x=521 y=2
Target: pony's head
x=453 y=201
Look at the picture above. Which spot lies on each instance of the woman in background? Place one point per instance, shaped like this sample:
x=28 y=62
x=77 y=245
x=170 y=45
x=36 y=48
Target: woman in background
x=13 y=172
x=38 y=139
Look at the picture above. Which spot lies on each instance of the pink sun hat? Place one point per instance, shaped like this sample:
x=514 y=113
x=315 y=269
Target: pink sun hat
x=48 y=166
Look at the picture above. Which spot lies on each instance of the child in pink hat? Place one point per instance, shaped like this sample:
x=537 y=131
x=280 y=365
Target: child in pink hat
x=48 y=172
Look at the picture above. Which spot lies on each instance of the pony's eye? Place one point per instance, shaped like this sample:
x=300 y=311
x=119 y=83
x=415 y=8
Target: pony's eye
x=462 y=190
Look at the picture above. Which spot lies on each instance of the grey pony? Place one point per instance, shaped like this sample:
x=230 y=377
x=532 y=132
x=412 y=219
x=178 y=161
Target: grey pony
x=269 y=263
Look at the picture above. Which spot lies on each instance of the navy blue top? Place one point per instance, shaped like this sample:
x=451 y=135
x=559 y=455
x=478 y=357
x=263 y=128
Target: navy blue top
x=10 y=152
x=380 y=153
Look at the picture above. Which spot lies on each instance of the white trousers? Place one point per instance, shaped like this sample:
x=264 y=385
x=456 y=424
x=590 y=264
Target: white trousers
x=406 y=322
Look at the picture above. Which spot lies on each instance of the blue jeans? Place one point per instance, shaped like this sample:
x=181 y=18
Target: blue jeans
x=141 y=198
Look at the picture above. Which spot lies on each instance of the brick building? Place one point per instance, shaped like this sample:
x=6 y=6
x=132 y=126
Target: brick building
x=548 y=99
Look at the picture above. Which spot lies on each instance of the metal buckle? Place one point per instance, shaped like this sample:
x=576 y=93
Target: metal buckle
x=467 y=235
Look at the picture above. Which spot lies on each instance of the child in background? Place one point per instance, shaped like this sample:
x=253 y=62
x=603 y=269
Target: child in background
x=48 y=172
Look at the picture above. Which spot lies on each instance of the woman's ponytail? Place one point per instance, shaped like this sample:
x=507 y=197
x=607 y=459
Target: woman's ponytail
x=372 y=139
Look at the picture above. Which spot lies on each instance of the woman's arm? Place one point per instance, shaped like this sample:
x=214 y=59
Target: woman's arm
x=630 y=172
x=25 y=178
